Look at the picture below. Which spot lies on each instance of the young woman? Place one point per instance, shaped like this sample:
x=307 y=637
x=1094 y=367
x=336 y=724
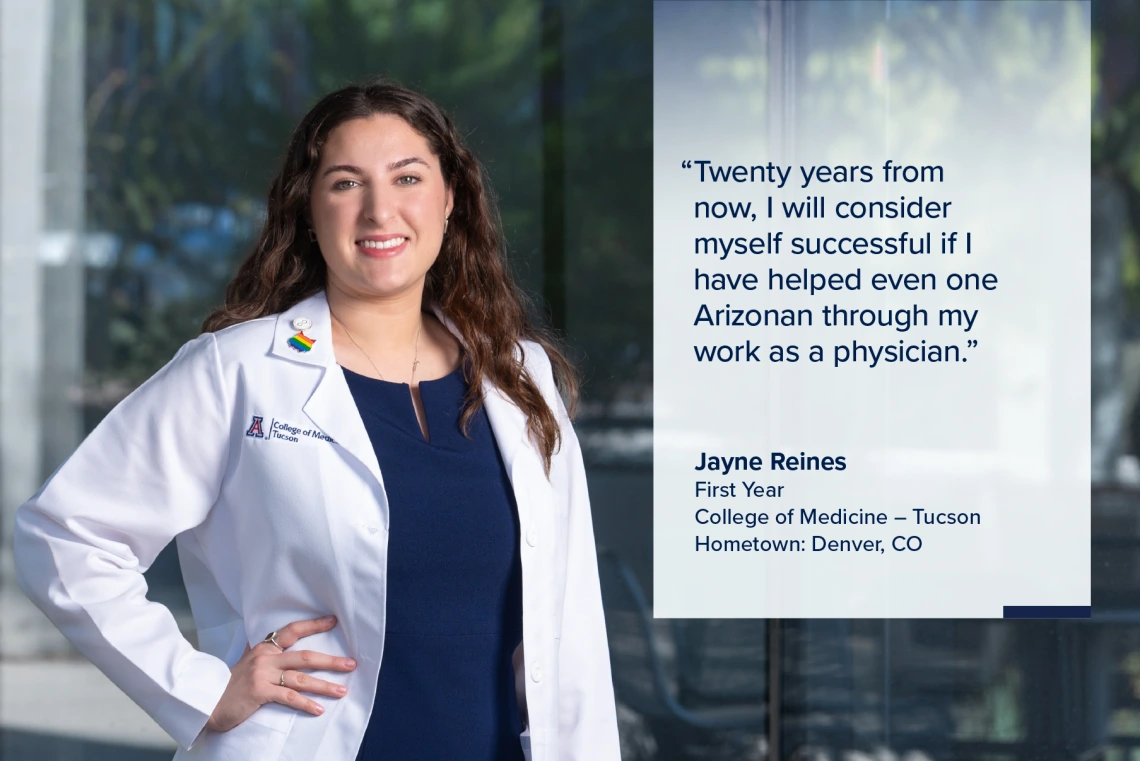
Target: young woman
x=378 y=500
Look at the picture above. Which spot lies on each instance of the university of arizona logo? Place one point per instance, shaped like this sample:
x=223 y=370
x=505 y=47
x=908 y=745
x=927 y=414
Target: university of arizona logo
x=255 y=428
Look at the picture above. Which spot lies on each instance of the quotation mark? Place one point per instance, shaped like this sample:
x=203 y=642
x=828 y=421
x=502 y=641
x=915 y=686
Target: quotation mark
x=687 y=164
x=971 y=344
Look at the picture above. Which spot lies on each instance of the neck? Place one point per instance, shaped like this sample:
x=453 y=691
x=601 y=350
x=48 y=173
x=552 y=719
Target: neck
x=385 y=323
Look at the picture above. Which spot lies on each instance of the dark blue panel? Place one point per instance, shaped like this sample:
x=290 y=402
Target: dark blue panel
x=1047 y=611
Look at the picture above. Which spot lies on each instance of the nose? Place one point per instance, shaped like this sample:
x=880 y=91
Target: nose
x=379 y=205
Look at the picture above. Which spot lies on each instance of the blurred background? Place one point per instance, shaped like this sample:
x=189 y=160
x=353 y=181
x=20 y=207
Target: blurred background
x=137 y=140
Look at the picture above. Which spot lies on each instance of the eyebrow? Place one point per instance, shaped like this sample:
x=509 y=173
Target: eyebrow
x=404 y=162
x=360 y=172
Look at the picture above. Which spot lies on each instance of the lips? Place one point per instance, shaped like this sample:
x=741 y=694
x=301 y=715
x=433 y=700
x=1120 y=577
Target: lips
x=382 y=246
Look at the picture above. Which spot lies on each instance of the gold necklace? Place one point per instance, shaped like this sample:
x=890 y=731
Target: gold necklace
x=415 y=358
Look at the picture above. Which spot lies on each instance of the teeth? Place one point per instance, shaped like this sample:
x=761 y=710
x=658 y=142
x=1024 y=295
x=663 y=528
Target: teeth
x=385 y=244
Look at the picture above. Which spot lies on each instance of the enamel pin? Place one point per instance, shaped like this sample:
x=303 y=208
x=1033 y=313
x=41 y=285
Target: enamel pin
x=301 y=342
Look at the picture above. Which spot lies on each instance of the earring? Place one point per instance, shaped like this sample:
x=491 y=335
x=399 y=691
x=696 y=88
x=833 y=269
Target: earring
x=312 y=235
x=445 y=223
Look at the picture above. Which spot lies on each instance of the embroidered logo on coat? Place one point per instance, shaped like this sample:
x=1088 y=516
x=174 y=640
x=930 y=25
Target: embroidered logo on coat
x=281 y=431
x=255 y=428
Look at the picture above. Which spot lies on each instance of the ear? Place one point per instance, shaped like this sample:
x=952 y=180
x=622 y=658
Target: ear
x=450 y=203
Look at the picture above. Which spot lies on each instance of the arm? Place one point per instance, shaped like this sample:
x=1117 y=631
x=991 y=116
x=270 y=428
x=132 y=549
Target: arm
x=587 y=716
x=150 y=470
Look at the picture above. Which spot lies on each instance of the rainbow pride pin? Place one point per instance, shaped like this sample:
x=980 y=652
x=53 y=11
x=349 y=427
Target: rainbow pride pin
x=301 y=342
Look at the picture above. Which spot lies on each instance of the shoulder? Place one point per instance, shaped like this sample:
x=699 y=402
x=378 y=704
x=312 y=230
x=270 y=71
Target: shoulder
x=537 y=364
x=239 y=343
x=219 y=354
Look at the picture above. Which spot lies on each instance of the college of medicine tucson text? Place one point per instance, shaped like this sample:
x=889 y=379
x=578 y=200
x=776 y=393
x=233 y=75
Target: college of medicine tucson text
x=841 y=517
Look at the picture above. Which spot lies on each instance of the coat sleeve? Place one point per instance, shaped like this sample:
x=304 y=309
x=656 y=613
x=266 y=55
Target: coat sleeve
x=150 y=470
x=587 y=716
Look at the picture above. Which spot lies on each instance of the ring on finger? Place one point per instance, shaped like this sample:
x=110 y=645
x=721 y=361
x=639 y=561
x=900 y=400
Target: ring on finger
x=272 y=639
x=281 y=681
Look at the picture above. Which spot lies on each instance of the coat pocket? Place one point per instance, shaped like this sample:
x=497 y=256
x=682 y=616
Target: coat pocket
x=248 y=741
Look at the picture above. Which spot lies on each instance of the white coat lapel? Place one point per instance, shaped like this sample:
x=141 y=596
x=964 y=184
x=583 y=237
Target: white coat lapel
x=508 y=422
x=330 y=406
x=520 y=456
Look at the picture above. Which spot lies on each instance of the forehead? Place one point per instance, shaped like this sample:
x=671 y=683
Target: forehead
x=373 y=142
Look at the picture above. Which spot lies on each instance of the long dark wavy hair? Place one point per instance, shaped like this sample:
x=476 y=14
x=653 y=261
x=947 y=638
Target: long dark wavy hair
x=469 y=281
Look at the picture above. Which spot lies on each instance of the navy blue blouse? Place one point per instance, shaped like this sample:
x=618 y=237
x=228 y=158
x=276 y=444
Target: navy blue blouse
x=454 y=596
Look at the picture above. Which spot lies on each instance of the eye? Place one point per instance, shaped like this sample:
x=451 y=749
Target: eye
x=413 y=179
x=343 y=184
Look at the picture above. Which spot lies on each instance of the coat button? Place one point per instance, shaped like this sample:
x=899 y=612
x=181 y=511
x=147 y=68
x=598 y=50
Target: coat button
x=536 y=672
x=532 y=536
x=302 y=323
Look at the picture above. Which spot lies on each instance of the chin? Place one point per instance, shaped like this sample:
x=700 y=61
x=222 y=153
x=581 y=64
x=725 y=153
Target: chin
x=390 y=279
x=389 y=286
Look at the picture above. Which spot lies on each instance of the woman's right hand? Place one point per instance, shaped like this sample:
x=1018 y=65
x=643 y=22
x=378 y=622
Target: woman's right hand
x=256 y=678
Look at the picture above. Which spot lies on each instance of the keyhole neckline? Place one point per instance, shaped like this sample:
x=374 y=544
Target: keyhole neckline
x=370 y=379
x=414 y=396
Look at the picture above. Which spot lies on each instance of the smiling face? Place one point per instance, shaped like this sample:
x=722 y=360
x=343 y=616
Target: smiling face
x=378 y=204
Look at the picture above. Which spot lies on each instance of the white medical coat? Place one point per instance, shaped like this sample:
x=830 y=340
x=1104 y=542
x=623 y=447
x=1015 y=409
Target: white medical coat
x=292 y=524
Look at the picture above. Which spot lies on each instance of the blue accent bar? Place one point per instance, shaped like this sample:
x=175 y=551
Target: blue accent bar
x=1047 y=611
